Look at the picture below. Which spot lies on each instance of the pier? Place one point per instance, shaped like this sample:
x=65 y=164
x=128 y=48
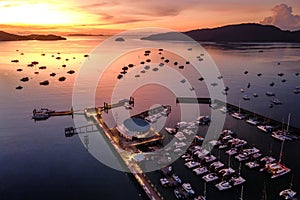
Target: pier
x=263 y=118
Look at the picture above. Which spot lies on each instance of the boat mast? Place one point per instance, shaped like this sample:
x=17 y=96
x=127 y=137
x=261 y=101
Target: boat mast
x=281 y=152
x=242 y=193
x=291 y=184
x=204 y=193
x=288 y=124
x=240 y=167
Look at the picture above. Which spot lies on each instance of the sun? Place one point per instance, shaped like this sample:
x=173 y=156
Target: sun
x=36 y=14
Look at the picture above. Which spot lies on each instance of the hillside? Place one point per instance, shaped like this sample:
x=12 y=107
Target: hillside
x=4 y=36
x=234 y=33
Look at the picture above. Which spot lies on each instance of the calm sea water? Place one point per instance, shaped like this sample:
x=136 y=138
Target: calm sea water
x=38 y=162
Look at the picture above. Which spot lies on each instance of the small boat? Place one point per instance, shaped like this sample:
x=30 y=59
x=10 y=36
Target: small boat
x=237 y=180
x=224 y=109
x=24 y=79
x=19 y=87
x=40 y=116
x=252 y=121
x=64 y=78
x=277 y=169
x=171 y=131
x=252 y=164
x=46 y=82
x=280 y=74
x=238 y=115
x=192 y=164
x=15 y=61
x=210 y=177
x=232 y=151
x=242 y=90
x=42 y=67
x=210 y=158
x=216 y=165
x=270 y=94
x=288 y=194
x=255 y=95
x=224 y=185
x=246 y=97
x=265 y=128
x=227 y=171
x=214 y=84
x=272 y=84
x=53 y=74
x=276 y=101
x=204 y=120
x=71 y=72
x=200 y=170
x=19 y=70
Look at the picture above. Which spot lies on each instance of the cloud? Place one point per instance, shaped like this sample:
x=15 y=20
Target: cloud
x=283 y=18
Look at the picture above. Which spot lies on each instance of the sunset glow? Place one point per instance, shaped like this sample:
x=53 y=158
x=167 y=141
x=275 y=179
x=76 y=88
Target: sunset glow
x=96 y=16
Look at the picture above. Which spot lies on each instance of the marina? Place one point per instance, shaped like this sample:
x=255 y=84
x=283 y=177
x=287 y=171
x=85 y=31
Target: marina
x=197 y=159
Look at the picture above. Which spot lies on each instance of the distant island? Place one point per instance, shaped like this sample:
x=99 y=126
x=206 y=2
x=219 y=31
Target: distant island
x=249 y=32
x=82 y=34
x=4 y=36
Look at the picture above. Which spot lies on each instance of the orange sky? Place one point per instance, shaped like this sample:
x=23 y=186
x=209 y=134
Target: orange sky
x=104 y=16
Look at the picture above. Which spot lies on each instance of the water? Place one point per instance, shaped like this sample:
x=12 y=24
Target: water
x=38 y=162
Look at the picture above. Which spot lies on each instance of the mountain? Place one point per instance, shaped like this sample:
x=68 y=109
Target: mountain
x=4 y=36
x=233 y=33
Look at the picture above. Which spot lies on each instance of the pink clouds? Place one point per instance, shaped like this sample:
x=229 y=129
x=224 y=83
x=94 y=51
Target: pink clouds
x=283 y=18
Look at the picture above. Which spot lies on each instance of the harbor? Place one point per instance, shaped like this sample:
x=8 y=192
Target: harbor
x=226 y=167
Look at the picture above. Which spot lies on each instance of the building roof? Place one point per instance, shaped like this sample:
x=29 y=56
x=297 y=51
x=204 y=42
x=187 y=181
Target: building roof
x=137 y=125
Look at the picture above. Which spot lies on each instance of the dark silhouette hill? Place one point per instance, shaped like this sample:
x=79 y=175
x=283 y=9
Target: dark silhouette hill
x=4 y=36
x=234 y=33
